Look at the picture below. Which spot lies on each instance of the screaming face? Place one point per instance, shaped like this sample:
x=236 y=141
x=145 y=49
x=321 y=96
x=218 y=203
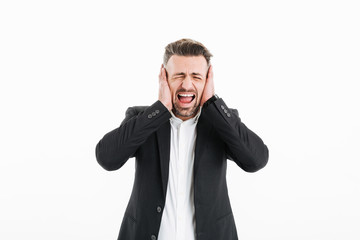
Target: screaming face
x=186 y=78
x=184 y=104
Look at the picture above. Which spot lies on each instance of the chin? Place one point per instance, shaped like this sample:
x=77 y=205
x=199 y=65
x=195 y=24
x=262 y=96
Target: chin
x=186 y=112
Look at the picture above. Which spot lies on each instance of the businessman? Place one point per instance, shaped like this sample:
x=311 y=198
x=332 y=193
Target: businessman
x=181 y=144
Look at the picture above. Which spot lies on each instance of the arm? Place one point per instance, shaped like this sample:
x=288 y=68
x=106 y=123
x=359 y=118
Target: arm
x=117 y=146
x=243 y=146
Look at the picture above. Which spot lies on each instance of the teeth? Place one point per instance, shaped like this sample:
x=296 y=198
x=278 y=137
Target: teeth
x=186 y=95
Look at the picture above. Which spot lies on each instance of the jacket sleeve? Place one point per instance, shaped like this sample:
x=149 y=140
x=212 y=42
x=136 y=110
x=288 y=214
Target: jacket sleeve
x=243 y=146
x=117 y=146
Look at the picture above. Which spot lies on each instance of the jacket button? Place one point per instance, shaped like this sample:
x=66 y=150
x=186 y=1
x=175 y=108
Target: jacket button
x=157 y=111
x=153 y=113
x=149 y=116
x=153 y=237
x=229 y=115
x=225 y=111
x=222 y=106
x=158 y=209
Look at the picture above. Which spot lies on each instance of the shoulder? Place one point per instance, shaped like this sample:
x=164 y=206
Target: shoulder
x=156 y=109
x=235 y=111
x=135 y=110
x=132 y=112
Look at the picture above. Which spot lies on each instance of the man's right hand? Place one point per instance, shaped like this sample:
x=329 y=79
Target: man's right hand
x=164 y=89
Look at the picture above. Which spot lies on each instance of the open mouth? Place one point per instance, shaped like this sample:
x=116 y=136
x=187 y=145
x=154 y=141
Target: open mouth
x=186 y=98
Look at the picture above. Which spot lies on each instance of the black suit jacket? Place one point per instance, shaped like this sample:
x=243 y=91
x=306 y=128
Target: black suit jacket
x=145 y=135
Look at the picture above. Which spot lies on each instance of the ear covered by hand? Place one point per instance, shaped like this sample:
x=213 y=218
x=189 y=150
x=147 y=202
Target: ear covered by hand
x=164 y=89
x=165 y=94
x=209 y=89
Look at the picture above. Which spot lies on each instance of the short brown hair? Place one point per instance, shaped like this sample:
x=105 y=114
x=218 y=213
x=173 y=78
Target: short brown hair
x=186 y=47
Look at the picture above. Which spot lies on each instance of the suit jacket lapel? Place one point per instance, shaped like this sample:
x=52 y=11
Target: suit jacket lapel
x=203 y=130
x=163 y=135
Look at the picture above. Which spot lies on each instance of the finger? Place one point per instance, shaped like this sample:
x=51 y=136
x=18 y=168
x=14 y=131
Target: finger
x=165 y=74
x=160 y=71
x=161 y=74
x=210 y=73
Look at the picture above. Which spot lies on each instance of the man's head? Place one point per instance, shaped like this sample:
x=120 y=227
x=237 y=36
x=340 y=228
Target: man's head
x=186 y=62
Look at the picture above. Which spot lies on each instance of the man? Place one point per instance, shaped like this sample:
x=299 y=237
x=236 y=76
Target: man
x=181 y=144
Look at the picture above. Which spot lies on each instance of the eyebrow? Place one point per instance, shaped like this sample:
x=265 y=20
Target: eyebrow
x=183 y=74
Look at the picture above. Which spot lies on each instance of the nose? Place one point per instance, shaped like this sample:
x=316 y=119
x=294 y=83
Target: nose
x=187 y=83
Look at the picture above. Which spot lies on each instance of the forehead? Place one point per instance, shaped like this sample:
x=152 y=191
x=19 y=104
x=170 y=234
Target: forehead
x=178 y=63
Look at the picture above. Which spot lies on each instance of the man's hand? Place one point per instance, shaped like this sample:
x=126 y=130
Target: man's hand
x=164 y=89
x=209 y=90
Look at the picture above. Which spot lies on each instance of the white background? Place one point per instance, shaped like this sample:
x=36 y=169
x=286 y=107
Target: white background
x=69 y=70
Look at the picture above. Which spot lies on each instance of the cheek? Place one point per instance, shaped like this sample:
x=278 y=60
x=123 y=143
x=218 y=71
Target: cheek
x=173 y=87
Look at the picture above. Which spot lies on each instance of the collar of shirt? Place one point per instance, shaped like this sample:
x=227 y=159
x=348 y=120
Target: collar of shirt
x=177 y=121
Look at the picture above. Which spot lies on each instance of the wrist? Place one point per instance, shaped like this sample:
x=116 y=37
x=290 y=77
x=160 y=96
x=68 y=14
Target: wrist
x=211 y=100
x=168 y=106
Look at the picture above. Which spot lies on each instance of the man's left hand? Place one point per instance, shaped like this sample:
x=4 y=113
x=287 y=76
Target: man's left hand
x=209 y=90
